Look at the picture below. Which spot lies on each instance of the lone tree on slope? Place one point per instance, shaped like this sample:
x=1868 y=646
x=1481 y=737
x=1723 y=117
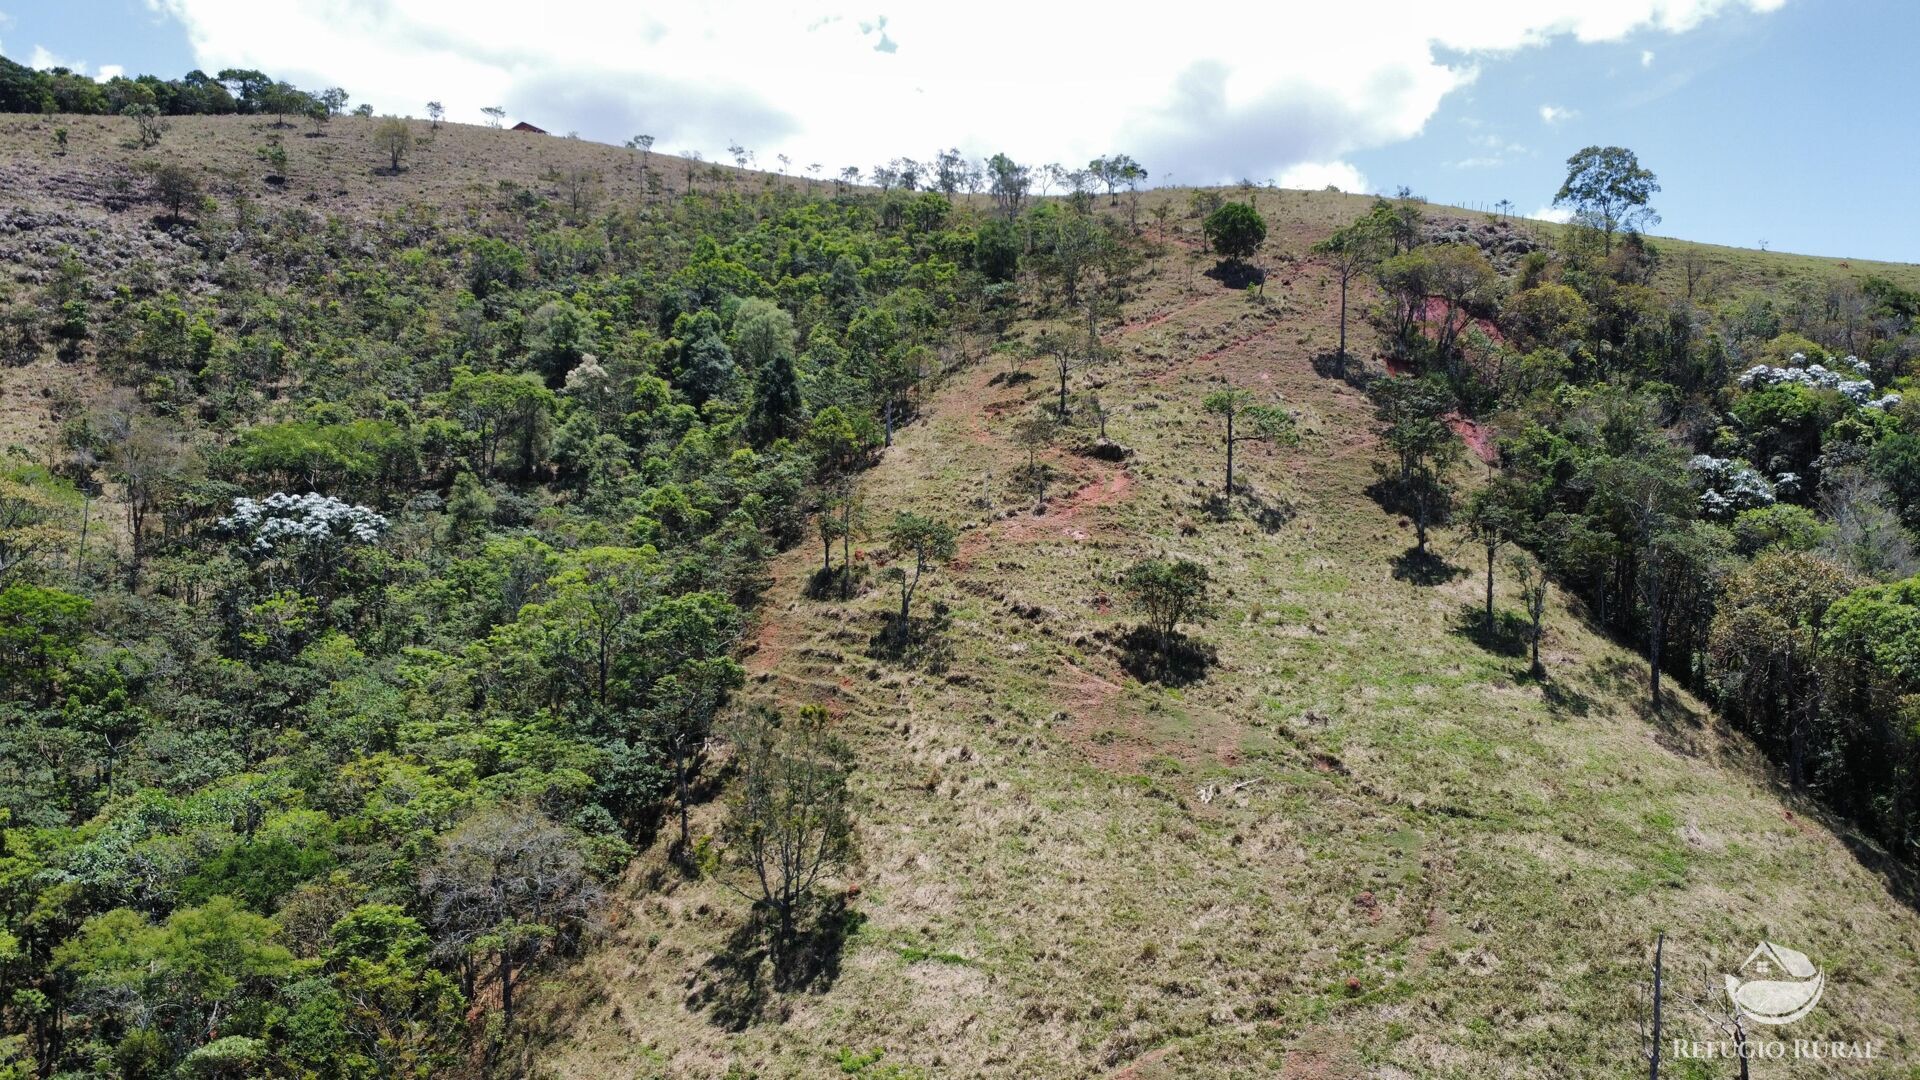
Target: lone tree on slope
x=1246 y=420
x=395 y=139
x=923 y=542
x=1235 y=231
x=1168 y=592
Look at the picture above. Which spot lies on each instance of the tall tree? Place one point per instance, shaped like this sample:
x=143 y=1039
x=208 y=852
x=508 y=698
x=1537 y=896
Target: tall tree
x=923 y=543
x=1425 y=448
x=1764 y=647
x=508 y=884
x=789 y=814
x=393 y=138
x=1608 y=191
x=1496 y=517
x=1168 y=592
x=1245 y=419
x=1350 y=252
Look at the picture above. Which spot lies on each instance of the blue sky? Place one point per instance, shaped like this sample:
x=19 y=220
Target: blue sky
x=1788 y=121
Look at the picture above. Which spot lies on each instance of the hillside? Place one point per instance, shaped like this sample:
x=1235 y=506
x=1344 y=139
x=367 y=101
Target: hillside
x=1367 y=843
x=1363 y=846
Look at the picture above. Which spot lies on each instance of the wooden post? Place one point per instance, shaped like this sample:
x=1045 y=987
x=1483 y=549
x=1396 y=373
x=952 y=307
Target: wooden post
x=1653 y=1059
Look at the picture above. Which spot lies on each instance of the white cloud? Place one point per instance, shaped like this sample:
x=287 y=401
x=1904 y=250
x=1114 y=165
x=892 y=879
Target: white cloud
x=1559 y=215
x=111 y=71
x=41 y=59
x=1314 y=175
x=840 y=87
x=1646 y=57
x=1555 y=114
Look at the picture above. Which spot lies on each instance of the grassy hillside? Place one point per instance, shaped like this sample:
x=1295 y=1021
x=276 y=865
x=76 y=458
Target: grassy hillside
x=1365 y=844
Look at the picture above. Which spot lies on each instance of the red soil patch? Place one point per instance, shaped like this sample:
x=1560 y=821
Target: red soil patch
x=1435 y=314
x=1476 y=436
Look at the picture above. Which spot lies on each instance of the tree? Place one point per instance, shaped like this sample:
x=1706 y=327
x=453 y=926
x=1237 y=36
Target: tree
x=284 y=100
x=145 y=455
x=1235 y=231
x=1461 y=278
x=1651 y=504
x=436 y=113
x=922 y=541
x=1246 y=420
x=395 y=139
x=1168 y=592
x=494 y=114
x=400 y=1016
x=177 y=187
x=1608 y=191
x=34 y=508
x=644 y=144
x=1010 y=182
x=1059 y=349
x=1496 y=517
x=507 y=883
x=790 y=813
x=197 y=965
x=1531 y=575
x=1034 y=434
x=147 y=125
x=1350 y=252
x=686 y=701
x=333 y=100
x=40 y=634
x=1424 y=446
x=1764 y=647
x=763 y=337
x=837 y=522
x=497 y=407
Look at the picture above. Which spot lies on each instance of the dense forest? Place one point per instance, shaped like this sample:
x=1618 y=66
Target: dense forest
x=389 y=601
x=234 y=90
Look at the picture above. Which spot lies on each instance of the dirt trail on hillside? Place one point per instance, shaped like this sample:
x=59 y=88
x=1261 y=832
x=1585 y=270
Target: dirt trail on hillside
x=1321 y=859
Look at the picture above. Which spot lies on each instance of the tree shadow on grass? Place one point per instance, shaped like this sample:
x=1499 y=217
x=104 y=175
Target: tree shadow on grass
x=1422 y=567
x=1507 y=636
x=1235 y=274
x=1564 y=700
x=740 y=984
x=837 y=583
x=1331 y=365
x=1271 y=514
x=1183 y=661
x=923 y=643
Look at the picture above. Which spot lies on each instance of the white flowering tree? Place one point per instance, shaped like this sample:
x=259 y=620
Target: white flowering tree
x=1730 y=486
x=1855 y=383
x=298 y=540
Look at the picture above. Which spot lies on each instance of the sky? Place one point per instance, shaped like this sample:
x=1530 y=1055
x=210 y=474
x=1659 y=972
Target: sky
x=1788 y=122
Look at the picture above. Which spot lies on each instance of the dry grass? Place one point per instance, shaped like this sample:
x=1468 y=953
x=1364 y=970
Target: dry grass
x=1442 y=868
